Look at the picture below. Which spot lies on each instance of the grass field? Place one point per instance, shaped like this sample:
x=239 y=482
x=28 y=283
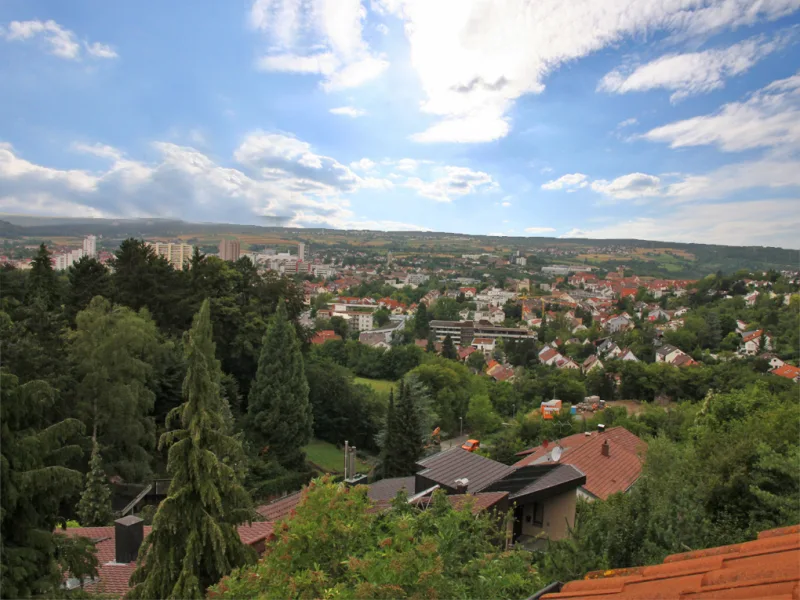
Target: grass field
x=330 y=459
x=382 y=386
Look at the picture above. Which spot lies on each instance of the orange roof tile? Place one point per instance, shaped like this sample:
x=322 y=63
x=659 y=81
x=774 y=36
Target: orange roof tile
x=112 y=577
x=324 y=335
x=605 y=475
x=768 y=567
x=787 y=371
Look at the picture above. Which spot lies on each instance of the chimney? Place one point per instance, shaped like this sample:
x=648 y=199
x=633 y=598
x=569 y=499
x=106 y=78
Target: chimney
x=462 y=485
x=128 y=537
x=601 y=428
x=605 y=449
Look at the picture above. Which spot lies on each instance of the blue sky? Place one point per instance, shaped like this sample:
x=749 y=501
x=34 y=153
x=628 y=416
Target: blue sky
x=673 y=120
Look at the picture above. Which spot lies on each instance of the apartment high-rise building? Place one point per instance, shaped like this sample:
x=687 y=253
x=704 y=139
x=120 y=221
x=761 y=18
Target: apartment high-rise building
x=90 y=246
x=301 y=251
x=229 y=249
x=177 y=254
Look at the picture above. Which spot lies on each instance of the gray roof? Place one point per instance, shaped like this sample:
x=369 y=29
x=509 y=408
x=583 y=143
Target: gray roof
x=540 y=480
x=445 y=467
x=665 y=349
x=386 y=489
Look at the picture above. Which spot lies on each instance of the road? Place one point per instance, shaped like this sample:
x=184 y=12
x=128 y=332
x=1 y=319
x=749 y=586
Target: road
x=456 y=441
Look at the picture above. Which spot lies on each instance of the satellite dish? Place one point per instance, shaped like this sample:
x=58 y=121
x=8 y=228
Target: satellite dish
x=555 y=454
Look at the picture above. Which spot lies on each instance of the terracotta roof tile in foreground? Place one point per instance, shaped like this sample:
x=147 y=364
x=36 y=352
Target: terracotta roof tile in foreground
x=278 y=509
x=768 y=567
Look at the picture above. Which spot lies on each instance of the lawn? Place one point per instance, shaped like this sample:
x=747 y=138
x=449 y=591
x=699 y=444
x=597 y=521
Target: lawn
x=382 y=386
x=330 y=459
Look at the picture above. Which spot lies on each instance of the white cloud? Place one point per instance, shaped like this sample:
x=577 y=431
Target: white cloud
x=407 y=164
x=61 y=42
x=348 y=111
x=628 y=123
x=297 y=29
x=539 y=230
x=505 y=204
x=627 y=187
x=474 y=58
x=769 y=118
x=760 y=222
x=692 y=73
x=279 y=180
x=364 y=164
x=455 y=181
x=570 y=181
x=382 y=29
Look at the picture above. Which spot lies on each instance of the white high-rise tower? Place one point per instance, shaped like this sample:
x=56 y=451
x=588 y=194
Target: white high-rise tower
x=90 y=245
x=301 y=251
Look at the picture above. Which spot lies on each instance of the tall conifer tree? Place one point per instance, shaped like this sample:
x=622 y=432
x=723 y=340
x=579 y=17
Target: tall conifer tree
x=279 y=414
x=94 y=508
x=194 y=541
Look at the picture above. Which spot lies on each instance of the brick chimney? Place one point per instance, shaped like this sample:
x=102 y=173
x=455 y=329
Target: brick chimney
x=128 y=537
x=605 y=449
x=462 y=485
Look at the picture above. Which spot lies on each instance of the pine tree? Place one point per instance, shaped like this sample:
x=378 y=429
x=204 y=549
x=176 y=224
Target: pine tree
x=431 y=345
x=34 y=484
x=402 y=443
x=42 y=280
x=449 y=349
x=194 y=541
x=279 y=414
x=389 y=439
x=94 y=508
x=421 y=322
x=87 y=278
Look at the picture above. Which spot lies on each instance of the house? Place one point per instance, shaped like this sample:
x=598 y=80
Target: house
x=548 y=356
x=469 y=292
x=751 y=298
x=611 y=459
x=499 y=372
x=393 y=306
x=117 y=549
x=566 y=363
x=658 y=314
x=766 y=567
x=483 y=344
x=667 y=353
x=325 y=335
x=544 y=496
x=787 y=371
x=774 y=361
x=626 y=354
x=754 y=341
x=375 y=339
x=464 y=353
x=683 y=360
x=741 y=326
x=618 y=323
x=591 y=363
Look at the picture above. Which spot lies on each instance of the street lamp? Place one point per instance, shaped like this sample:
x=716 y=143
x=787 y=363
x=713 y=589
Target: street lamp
x=461 y=426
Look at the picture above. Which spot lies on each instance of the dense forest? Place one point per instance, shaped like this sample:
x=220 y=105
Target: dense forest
x=204 y=376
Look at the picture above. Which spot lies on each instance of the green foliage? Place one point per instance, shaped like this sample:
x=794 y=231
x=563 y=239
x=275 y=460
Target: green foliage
x=279 y=415
x=449 y=349
x=450 y=386
x=421 y=322
x=481 y=416
x=476 y=361
x=94 y=508
x=87 y=278
x=113 y=350
x=34 y=483
x=336 y=547
x=342 y=409
x=445 y=309
x=402 y=439
x=369 y=362
x=42 y=279
x=381 y=317
x=720 y=478
x=194 y=541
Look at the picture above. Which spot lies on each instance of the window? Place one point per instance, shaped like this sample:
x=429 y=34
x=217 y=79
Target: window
x=538 y=514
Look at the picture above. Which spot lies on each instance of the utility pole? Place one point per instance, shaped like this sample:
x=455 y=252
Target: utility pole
x=461 y=426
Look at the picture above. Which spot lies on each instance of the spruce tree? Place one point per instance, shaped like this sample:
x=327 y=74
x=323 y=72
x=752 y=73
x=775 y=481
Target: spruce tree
x=403 y=444
x=449 y=349
x=87 y=278
x=279 y=414
x=34 y=483
x=421 y=322
x=94 y=508
x=389 y=440
x=431 y=345
x=42 y=280
x=194 y=541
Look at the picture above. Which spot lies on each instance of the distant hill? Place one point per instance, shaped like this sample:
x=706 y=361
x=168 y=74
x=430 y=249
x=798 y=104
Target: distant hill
x=661 y=259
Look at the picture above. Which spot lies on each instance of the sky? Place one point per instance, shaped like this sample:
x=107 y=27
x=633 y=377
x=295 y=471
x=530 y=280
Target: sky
x=673 y=120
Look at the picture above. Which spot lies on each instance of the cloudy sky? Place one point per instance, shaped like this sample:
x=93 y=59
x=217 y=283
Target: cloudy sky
x=670 y=120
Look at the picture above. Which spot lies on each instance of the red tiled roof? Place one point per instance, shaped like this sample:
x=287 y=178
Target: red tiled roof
x=323 y=336
x=465 y=352
x=768 y=567
x=112 y=578
x=605 y=475
x=787 y=371
x=548 y=354
x=753 y=335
